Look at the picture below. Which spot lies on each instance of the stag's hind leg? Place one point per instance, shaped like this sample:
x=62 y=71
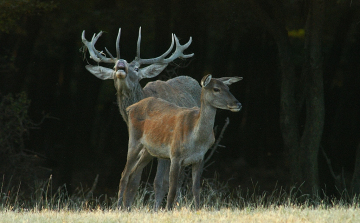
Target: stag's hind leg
x=135 y=177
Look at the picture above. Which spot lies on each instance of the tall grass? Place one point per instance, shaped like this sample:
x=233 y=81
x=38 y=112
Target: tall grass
x=214 y=196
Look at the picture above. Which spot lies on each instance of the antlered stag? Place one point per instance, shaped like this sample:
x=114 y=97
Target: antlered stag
x=182 y=90
x=180 y=134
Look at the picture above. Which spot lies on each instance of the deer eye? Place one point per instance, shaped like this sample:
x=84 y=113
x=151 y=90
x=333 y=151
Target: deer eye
x=136 y=69
x=216 y=90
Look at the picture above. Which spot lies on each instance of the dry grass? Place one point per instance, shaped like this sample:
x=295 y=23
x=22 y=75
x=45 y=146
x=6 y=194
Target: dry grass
x=272 y=214
x=219 y=204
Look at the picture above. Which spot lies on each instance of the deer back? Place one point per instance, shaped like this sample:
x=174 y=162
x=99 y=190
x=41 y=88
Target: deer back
x=183 y=91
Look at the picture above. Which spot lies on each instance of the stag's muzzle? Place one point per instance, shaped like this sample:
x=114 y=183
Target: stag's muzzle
x=120 y=69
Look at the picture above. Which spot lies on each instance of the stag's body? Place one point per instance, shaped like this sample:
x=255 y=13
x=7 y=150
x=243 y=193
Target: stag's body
x=182 y=135
x=183 y=91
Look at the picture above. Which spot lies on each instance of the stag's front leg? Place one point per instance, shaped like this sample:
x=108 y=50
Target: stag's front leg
x=161 y=181
x=175 y=169
x=196 y=175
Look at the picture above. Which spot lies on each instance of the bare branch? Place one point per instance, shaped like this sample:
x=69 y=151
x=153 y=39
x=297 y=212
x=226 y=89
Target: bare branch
x=214 y=147
x=339 y=180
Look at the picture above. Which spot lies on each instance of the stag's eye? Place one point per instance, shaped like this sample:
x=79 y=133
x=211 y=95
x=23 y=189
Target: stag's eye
x=216 y=90
x=136 y=69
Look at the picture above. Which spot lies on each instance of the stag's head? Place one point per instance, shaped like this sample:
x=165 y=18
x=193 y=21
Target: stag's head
x=215 y=91
x=126 y=75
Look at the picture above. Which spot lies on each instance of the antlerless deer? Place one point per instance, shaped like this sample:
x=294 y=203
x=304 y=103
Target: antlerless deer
x=183 y=90
x=182 y=135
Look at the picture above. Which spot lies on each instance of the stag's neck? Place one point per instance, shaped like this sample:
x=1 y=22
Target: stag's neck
x=127 y=97
x=205 y=124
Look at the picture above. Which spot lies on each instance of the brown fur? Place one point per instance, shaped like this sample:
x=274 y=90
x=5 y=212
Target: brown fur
x=180 y=134
x=165 y=123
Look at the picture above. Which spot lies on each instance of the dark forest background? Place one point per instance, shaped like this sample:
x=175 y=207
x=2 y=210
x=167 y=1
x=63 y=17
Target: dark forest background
x=297 y=58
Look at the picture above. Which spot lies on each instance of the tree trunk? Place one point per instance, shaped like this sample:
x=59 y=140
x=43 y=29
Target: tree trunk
x=288 y=113
x=302 y=148
x=314 y=96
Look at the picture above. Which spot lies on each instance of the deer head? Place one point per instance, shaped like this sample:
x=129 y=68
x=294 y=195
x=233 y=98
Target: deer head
x=126 y=75
x=216 y=92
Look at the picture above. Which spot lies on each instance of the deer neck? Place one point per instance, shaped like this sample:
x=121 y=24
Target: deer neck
x=128 y=96
x=205 y=124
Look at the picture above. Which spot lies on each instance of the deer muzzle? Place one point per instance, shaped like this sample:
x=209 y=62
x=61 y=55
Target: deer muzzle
x=235 y=107
x=120 y=69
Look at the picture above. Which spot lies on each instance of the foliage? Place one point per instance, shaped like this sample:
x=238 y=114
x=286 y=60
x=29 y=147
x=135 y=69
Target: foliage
x=13 y=11
x=15 y=124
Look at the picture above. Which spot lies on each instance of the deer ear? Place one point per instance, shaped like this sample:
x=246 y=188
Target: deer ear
x=229 y=80
x=102 y=73
x=206 y=80
x=151 y=71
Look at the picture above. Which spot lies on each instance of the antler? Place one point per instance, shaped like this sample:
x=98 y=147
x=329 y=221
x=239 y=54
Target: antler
x=161 y=59
x=98 y=56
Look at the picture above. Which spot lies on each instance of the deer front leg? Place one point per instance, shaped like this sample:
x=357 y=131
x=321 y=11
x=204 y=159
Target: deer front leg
x=135 y=177
x=124 y=180
x=132 y=157
x=196 y=175
x=175 y=168
x=130 y=191
x=161 y=181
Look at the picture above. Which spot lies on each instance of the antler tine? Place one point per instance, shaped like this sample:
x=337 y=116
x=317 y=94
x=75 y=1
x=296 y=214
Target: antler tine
x=98 y=54
x=108 y=52
x=138 y=45
x=186 y=46
x=90 y=48
x=117 y=45
x=159 y=59
x=177 y=54
x=94 y=54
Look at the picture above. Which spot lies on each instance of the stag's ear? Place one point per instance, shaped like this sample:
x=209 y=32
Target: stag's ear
x=151 y=71
x=206 y=80
x=229 y=80
x=100 y=72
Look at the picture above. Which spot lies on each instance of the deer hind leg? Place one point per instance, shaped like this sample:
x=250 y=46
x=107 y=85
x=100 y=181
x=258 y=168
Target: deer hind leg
x=161 y=181
x=175 y=169
x=196 y=175
x=132 y=158
x=135 y=177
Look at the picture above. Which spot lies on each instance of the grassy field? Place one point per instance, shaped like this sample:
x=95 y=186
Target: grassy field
x=219 y=204
x=272 y=214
